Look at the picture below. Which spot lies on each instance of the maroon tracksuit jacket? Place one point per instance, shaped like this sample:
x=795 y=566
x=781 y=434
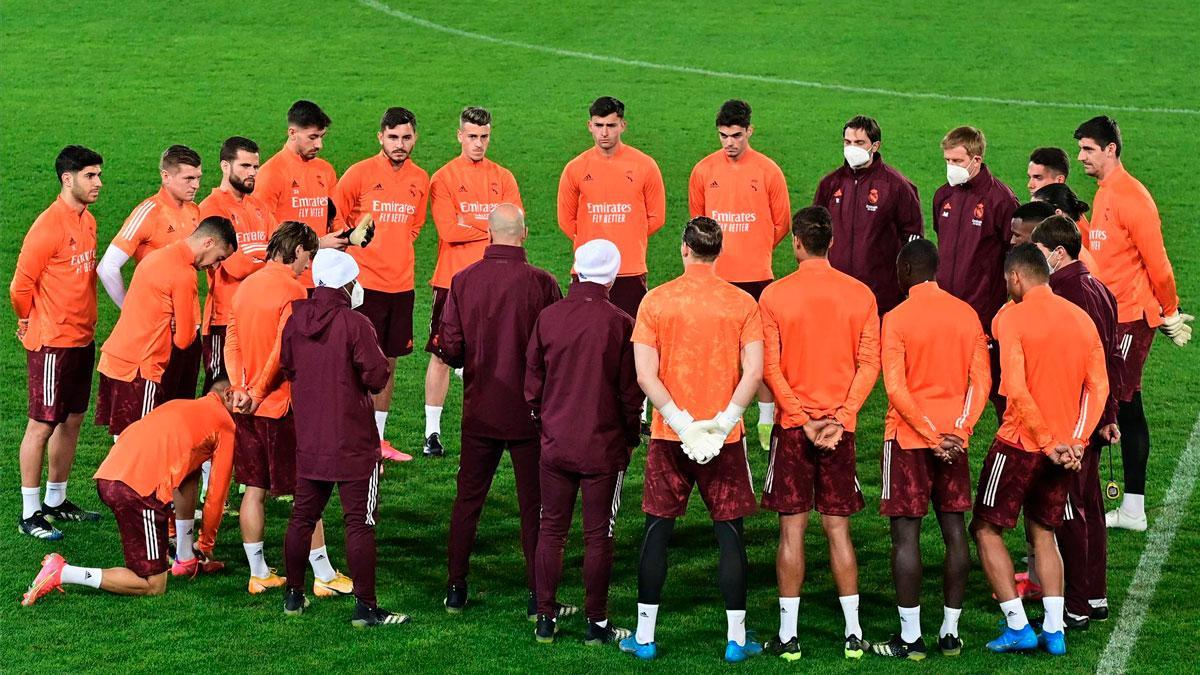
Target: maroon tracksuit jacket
x=875 y=211
x=973 y=222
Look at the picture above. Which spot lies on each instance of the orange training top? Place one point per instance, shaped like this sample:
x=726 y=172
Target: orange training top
x=699 y=325
x=749 y=198
x=619 y=198
x=297 y=189
x=935 y=368
x=821 y=354
x=396 y=199
x=254 y=224
x=1052 y=369
x=162 y=298
x=1125 y=238
x=260 y=310
x=155 y=223
x=54 y=285
x=462 y=196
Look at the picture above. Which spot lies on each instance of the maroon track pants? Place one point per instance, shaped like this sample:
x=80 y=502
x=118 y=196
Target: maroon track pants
x=360 y=508
x=477 y=464
x=1082 y=539
x=601 y=499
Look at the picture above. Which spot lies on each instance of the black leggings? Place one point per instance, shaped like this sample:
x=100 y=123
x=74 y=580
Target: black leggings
x=731 y=566
x=1135 y=443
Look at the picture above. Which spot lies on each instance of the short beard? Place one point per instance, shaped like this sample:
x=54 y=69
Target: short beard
x=241 y=187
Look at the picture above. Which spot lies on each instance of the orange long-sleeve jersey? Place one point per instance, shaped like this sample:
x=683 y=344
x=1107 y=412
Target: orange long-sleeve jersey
x=935 y=368
x=163 y=289
x=297 y=189
x=749 y=198
x=462 y=196
x=619 y=198
x=1052 y=370
x=1125 y=238
x=155 y=223
x=821 y=330
x=261 y=308
x=253 y=223
x=54 y=285
x=396 y=199
x=158 y=452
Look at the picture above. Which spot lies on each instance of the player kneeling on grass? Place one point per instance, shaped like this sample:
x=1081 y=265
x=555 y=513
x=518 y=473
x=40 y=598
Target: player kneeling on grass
x=697 y=345
x=937 y=374
x=332 y=358
x=155 y=461
x=1052 y=371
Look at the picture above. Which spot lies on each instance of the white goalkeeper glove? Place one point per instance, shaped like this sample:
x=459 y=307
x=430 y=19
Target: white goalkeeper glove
x=1176 y=327
x=699 y=443
x=728 y=418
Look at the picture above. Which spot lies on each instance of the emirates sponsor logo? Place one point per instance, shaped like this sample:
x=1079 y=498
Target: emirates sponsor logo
x=609 y=213
x=251 y=237
x=734 y=221
x=392 y=212
x=477 y=210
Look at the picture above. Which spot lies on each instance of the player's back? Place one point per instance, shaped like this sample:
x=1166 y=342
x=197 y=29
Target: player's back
x=939 y=334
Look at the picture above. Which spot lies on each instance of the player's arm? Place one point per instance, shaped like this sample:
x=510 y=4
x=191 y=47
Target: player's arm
x=535 y=371
x=789 y=404
x=1114 y=363
x=866 y=372
x=233 y=355
x=895 y=382
x=108 y=270
x=979 y=383
x=696 y=193
x=185 y=304
x=451 y=227
x=219 y=478
x=35 y=255
x=909 y=223
x=781 y=204
x=422 y=213
x=451 y=341
x=655 y=194
x=287 y=364
x=368 y=359
x=1095 y=390
x=272 y=374
x=1145 y=230
x=568 y=202
x=509 y=190
x=1016 y=387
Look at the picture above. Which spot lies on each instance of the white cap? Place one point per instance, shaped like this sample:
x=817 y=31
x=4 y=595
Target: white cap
x=333 y=268
x=598 y=261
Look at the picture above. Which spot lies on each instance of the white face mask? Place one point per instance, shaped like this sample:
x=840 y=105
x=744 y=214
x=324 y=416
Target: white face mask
x=856 y=157
x=356 y=295
x=957 y=175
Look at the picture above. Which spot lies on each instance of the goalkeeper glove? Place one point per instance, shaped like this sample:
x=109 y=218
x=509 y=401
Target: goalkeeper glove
x=361 y=234
x=1176 y=327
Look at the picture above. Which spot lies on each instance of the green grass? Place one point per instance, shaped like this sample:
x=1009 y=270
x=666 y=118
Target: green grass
x=130 y=78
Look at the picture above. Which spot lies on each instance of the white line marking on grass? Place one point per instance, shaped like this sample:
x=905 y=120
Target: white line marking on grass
x=603 y=58
x=1158 y=546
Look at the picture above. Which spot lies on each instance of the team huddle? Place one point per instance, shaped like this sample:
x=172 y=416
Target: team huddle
x=309 y=308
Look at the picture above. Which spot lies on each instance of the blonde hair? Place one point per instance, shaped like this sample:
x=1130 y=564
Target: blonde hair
x=968 y=137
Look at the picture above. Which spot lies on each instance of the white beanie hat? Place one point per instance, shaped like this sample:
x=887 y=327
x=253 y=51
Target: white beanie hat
x=597 y=261
x=333 y=268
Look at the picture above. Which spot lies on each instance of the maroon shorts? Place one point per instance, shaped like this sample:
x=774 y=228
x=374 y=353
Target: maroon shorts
x=1013 y=479
x=119 y=404
x=1133 y=341
x=264 y=453
x=182 y=373
x=914 y=478
x=142 y=522
x=725 y=483
x=392 y=316
x=60 y=382
x=801 y=477
x=627 y=293
x=212 y=347
x=435 y=319
x=754 y=288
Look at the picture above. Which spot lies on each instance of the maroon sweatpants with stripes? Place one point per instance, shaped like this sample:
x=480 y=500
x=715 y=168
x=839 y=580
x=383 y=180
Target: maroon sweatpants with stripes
x=1082 y=538
x=477 y=465
x=601 y=499
x=360 y=508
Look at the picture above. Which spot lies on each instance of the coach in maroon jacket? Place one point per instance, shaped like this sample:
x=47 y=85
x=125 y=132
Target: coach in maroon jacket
x=332 y=357
x=581 y=383
x=486 y=323
x=1082 y=538
x=875 y=211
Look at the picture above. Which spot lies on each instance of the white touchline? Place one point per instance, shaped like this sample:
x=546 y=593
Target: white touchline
x=1133 y=610
x=425 y=23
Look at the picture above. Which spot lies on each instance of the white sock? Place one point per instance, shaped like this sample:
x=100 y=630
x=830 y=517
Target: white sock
x=1134 y=505
x=458 y=372
x=184 y=533
x=380 y=422
x=1014 y=613
x=1053 y=623
x=257 y=560
x=81 y=576
x=910 y=623
x=31 y=501
x=648 y=409
x=433 y=420
x=950 y=621
x=205 y=469
x=789 y=614
x=766 y=413
x=1032 y=569
x=115 y=437
x=1097 y=603
x=735 y=620
x=850 y=611
x=318 y=558
x=602 y=624
x=56 y=493
x=647 y=617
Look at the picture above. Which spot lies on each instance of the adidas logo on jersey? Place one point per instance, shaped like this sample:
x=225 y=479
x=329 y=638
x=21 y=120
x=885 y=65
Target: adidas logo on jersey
x=462 y=188
x=587 y=176
x=295 y=183
x=378 y=186
x=713 y=184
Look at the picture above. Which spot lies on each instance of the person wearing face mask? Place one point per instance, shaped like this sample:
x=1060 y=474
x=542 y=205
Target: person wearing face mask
x=875 y=211
x=972 y=216
x=331 y=356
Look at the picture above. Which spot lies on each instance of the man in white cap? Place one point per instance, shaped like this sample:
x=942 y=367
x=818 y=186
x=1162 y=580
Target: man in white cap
x=581 y=382
x=330 y=354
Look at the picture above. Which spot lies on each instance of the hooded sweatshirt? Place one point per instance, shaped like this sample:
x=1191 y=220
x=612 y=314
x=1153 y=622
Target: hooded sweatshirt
x=331 y=355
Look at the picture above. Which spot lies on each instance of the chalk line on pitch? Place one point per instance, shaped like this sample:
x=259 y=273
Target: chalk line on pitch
x=766 y=79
